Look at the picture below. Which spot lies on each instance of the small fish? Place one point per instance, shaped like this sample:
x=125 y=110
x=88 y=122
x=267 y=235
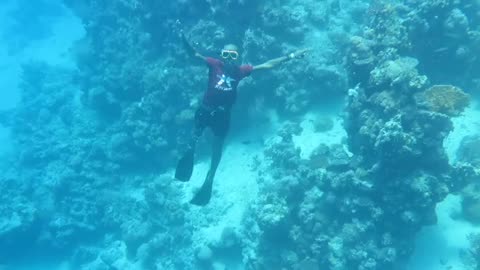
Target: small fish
x=439 y=50
x=453 y=35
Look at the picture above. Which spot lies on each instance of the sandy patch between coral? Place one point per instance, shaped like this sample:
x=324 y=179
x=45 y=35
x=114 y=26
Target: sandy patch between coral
x=466 y=124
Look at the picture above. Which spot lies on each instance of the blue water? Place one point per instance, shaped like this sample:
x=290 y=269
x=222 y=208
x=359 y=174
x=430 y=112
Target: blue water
x=352 y=156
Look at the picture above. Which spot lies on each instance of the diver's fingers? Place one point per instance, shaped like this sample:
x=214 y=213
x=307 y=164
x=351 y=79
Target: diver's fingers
x=307 y=50
x=303 y=52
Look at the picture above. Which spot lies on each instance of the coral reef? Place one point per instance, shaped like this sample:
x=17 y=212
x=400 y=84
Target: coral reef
x=90 y=142
x=365 y=213
x=472 y=255
x=66 y=185
x=451 y=28
x=446 y=99
x=400 y=73
x=347 y=216
x=471 y=203
x=468 y=150
x=468 y=153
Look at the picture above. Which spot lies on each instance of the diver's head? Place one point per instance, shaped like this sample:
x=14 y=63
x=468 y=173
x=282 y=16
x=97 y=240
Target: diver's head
x=230 y=54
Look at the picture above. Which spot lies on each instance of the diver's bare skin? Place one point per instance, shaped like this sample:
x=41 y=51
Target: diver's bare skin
x=267 y=65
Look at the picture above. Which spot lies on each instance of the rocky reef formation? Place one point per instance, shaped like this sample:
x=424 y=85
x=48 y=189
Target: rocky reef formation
x=472 y=254
x=361 y=208
x=468 y=152
x=66 y=189
x=89 y=143
x=347 y=215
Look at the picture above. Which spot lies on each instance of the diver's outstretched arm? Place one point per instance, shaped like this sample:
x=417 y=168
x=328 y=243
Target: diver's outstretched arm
x=275 y=62
x=189 y=48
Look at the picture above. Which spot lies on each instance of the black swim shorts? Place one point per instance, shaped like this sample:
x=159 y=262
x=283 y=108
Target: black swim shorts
x=218 y=120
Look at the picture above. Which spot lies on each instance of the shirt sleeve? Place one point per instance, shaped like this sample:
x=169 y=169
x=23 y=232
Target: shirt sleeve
x=246 y=70
x=210 y=61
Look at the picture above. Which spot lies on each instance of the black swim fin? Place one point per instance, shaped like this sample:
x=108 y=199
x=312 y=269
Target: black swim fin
x=205 y=193
x=185 y=166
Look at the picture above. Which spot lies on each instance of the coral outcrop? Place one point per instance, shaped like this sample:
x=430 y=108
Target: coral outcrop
x=365 y=213
x=446 y=99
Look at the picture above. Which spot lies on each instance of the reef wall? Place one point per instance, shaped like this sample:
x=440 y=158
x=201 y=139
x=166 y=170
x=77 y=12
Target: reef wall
x=361 y=208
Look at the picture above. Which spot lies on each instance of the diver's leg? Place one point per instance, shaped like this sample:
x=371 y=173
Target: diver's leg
x=220 y=130
x=205 y=193
x=217 y=149
x=200 y=124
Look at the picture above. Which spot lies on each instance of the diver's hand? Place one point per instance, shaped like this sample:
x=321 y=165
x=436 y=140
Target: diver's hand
x=299 y=54
x=186 y=44
x=178 y=28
